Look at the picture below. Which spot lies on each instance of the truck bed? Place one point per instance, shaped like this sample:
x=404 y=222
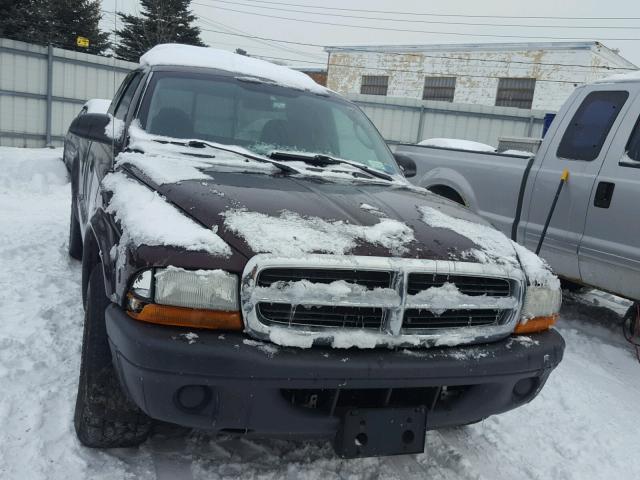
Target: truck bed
x=489 y=183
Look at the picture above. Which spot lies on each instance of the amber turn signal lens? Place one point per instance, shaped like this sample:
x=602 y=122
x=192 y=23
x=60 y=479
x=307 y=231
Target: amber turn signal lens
x=537 y=324
x=188 y=317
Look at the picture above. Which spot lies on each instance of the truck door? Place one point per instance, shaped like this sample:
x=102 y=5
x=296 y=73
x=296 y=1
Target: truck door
x=609 y=251
x=100 y=157
x=579 y=145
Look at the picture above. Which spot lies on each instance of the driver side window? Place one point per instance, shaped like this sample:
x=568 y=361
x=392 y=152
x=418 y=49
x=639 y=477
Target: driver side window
x=125 y=100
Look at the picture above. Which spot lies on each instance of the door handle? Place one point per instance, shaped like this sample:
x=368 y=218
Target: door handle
x=604 y=192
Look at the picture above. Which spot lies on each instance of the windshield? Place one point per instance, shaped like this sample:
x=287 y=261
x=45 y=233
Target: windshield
x=261 y=117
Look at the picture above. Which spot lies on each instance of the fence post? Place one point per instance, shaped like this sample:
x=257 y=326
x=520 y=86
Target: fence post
x=530 y=129
x=49 y=112
x=420 y=125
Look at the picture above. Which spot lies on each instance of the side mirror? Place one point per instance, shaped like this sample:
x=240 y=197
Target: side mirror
x=407 y=165
x=92 y=126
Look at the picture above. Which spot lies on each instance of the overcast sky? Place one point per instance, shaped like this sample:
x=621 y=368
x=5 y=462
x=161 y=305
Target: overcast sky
x=215 y=15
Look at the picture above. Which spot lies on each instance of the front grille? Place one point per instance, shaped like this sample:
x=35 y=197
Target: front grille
x=320 y=316
x=425 y=319
x=488 y=309
x=469 y=285
x=367 y=278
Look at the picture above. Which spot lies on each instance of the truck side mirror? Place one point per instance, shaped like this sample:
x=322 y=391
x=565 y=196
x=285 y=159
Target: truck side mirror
x=406 y=164
x=92 y=126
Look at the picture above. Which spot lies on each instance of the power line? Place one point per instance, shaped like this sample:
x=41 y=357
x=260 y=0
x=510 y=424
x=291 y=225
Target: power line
x=422 y=72
x=388 y=29
x=405 y=20
x=444 y=57
x=342 y=9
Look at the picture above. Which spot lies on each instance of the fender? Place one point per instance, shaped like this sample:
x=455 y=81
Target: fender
x=452 y=179
x=105 y=236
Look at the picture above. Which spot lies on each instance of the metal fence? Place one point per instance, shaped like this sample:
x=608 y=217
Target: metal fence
x=408 y=120
x=43 y=88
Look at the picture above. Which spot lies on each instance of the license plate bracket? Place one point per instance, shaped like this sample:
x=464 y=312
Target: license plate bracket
x=368 y=432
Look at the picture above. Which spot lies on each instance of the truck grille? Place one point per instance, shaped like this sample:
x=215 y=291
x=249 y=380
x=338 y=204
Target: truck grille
x=396 y=310
x=421 y=319
x=321 y=316
x=469 y=285
x=369 y=279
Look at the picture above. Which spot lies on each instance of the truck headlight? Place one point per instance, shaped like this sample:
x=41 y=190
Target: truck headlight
x=186 y=298
x=540 y=309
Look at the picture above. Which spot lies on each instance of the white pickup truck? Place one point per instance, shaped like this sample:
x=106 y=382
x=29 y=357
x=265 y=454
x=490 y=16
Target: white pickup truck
x=594 y=235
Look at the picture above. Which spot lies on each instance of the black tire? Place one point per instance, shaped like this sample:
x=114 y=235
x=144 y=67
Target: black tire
x=75 y=235
x=104 y=416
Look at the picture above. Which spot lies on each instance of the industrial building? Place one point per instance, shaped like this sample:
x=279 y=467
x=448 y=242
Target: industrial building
x=523 y=75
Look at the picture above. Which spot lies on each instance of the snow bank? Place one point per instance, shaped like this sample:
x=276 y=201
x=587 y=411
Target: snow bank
x=147 y=219
x=31 y=169
x=291 y=235
x=97 y=105
x=174 y=54
x=457 y=144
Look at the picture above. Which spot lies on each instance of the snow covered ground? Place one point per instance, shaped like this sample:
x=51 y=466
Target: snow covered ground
x=583 y=425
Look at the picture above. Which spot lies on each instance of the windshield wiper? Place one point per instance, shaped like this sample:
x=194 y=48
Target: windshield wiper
x=321 y=160
x=203 y=144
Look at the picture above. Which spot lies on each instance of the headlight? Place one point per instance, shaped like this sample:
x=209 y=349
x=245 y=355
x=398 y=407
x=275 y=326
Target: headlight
x=194 y=298
x=540 y=309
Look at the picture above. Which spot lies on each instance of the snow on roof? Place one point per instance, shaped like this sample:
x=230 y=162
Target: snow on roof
x=188 y=55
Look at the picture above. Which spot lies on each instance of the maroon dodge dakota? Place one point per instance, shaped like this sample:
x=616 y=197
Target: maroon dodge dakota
x=254 y=262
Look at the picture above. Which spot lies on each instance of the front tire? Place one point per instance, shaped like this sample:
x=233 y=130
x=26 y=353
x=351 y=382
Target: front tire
x=104 y=415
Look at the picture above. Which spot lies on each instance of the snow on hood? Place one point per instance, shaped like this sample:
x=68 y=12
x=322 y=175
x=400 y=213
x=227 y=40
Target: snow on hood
x=291 y=235
x=187 y=55
x=457 y=144
x=494 y=246
x=147 y=219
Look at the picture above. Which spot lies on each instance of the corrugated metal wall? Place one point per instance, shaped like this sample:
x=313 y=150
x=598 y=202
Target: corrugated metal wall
x=408 y=120
x=42 y=90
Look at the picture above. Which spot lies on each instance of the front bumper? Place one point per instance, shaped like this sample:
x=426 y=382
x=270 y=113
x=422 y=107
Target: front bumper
x=250 y=387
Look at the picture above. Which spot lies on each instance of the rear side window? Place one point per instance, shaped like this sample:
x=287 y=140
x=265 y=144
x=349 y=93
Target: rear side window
x=591 y=124
x=633 y=146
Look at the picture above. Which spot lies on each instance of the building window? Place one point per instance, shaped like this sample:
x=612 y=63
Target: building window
x=440 y=89
x=515 y=92
x=374 y=84
x=585 y=135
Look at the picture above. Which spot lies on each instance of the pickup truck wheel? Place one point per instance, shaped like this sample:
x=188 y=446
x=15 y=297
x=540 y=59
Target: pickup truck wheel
x=104 y=416
x=75 y=235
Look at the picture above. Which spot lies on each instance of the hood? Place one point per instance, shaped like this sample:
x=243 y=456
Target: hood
x=292 y=215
